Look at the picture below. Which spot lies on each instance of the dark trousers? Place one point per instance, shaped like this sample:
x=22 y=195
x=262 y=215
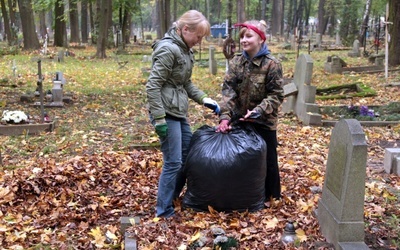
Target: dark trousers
x=272 y=181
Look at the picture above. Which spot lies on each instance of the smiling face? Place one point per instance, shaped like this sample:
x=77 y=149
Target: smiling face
x=251 y=42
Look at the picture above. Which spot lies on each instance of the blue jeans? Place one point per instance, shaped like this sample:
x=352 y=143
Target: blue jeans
x=175 y=147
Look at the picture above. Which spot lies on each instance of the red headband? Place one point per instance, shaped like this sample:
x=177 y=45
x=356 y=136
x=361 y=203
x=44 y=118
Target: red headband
x=252 y=27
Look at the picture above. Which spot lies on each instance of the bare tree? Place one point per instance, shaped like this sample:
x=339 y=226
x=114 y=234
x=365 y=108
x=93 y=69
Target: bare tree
x=31 y=40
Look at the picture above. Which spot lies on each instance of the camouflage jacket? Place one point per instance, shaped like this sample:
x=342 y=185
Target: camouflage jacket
x=253 y=85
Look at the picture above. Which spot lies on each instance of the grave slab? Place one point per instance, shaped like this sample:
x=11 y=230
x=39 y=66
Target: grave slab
x=31 y=129
x=341 y=206
x=129 y=241
x=390 y=160
x=127 y=221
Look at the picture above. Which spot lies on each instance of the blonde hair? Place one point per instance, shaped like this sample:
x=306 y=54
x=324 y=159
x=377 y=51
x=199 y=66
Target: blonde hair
x=196 y=21
x=262 y=26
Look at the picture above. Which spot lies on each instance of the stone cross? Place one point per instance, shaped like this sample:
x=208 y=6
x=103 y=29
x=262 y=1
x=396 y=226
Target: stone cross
x=302 y=102
x=341 y=206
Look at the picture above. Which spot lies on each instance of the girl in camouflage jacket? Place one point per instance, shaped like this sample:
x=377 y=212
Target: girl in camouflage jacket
x=252 y=91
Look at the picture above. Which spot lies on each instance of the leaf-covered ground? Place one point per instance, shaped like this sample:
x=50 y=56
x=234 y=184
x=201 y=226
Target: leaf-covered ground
x=68 y=188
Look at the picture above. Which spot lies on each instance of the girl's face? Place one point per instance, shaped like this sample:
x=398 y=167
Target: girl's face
x=191 y=37
x=251 y=42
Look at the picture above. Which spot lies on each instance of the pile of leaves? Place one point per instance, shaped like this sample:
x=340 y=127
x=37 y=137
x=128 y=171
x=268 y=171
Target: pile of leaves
x=76 y=203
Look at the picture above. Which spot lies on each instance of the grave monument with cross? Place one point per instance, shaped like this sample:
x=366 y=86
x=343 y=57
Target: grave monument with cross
x=300 y=94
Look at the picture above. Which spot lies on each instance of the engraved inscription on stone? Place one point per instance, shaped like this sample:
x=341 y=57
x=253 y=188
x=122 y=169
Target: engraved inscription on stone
x=335 y=169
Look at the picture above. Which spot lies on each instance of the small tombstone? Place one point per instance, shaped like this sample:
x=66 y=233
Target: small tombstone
x=212 y=62
x=60 y=56
x=14 y=69
x=318 y=39
x=45 y=45
x=303 y=103
x=293 y=42
x=57 y=90
x=355 y=52
x=334 y=65
x=341 y=206
x=391 y=161
x=147 y=58
x=318 y=42
x=338 y=41
x=148 y=38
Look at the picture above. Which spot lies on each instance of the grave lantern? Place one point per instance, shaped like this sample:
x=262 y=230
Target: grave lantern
x=289 y=234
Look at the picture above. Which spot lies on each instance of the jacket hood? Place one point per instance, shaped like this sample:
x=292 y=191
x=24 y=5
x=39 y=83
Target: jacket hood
x=262 y=52
x=172 y=35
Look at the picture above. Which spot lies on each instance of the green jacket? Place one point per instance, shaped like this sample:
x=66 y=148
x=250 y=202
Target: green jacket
x=169 y=86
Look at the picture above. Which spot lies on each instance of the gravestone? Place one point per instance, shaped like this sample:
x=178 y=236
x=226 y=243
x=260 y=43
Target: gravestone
x=302 y=102
x=212 y=63
x=355 y=52
x=57 y=91
x=341 y=206
x=391 y=161
x=338 y=41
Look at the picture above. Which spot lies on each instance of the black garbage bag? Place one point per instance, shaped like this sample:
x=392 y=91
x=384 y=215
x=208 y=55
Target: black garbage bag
x=226 y=171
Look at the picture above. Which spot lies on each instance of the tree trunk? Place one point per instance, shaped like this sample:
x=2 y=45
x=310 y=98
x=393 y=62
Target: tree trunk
x=103 y=28
x=84 y=21
x=394 y=44
x=164 y=15
x=93 y=23
x=364 y=26
x=7 y=27
x=31 y=41
x=126 y=24
x=322 y=18
x=276 y=17
x=59 y=24
x=42 y=24
x=74 y=21
x=229 y=16
x=240 y=7
x=12 y=6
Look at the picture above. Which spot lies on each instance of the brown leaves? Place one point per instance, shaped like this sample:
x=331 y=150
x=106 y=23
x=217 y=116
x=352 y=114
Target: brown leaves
x=85 y=197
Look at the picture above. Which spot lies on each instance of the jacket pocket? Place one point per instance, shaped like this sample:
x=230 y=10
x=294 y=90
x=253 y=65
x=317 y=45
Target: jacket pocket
x=175 y=99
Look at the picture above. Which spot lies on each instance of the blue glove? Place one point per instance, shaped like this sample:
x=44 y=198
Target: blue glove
x=211 y=104
x=161 y=127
